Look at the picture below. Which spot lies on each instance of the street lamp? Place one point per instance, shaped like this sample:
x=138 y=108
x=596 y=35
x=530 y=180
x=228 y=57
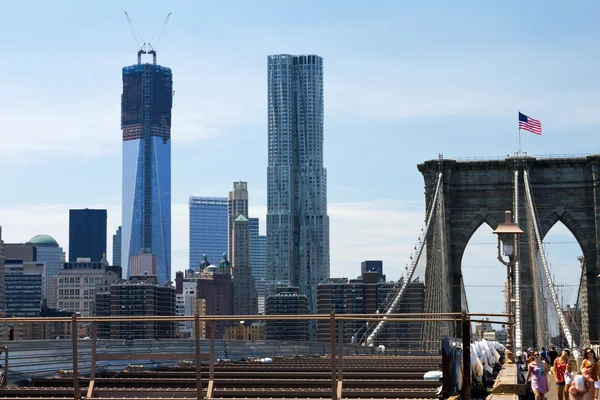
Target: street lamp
x=508 y=245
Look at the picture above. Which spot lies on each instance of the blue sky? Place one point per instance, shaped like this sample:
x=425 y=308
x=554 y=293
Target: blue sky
x=404 y=81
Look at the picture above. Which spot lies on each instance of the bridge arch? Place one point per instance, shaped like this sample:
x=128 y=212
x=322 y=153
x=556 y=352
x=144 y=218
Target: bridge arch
x=477 y=192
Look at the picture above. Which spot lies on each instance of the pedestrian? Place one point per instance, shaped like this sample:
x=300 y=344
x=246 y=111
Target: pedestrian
x=537 y=373
x=588 y=390
x=552 y=355
x=544 y=354
x=561 y=365
x=529 y=356
x=591 y=361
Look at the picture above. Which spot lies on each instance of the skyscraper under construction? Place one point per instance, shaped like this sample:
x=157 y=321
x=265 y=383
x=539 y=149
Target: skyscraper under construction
x=146 y=105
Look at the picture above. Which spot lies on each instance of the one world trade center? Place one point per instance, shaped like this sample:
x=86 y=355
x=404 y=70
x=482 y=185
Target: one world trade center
x=146 y=105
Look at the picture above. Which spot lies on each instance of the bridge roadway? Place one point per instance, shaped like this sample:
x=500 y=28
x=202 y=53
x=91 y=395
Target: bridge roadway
x=361 y=377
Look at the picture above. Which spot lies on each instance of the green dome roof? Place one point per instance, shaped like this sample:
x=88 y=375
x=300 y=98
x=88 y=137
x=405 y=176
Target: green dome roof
x=44 y=241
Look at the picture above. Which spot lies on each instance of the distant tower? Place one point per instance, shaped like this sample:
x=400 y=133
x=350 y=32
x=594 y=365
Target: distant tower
x=245 y=300
x=208 y=229
x=258 y=261
x=297 y=220
x=237 y=205
x=146 y=106
x=49 y=252
x=87 y=234
x=117 y=240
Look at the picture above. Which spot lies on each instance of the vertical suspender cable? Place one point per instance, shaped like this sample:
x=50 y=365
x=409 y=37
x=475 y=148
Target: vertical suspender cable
x=561 y=317
x=517 y=271
x=414 y=260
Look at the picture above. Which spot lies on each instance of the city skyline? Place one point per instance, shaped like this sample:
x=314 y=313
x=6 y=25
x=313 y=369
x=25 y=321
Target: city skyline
x=392 y=102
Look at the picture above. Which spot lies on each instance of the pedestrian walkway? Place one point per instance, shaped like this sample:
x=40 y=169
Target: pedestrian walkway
x=506 y=386
x=552 y=393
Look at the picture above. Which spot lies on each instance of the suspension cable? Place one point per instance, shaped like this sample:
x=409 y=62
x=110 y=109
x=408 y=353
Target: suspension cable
x=418 y=249
x=561 y=317
x=517 y=272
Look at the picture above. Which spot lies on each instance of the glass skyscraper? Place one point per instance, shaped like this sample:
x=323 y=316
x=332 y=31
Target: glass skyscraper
x=208 y=229
x=297 y=220
x=49 y=252
x=146 y=106
x=116 y=246
x=87 y=234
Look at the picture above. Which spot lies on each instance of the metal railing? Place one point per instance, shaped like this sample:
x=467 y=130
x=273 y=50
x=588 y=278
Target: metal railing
x=336 y=347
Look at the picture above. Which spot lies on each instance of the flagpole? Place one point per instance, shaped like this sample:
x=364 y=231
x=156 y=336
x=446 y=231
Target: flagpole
x=519 y=125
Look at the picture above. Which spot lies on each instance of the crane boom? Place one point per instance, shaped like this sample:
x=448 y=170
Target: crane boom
x=137 y=42
x=162 y=29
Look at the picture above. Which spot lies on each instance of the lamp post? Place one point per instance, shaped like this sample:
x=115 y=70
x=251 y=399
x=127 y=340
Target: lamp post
x=508 y=245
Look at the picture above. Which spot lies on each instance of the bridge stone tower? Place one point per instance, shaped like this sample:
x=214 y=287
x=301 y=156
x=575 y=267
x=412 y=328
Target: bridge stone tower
x=477 y=192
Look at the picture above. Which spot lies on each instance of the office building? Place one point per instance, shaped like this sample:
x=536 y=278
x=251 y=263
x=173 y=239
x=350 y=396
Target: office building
x=258 y=262
x=237 y=204
x=51 y=254
x=87 y=234
x=2 y=289
x=481 y=328
x=297 y=220
x=214 y=286
x=22 y=251
x=373 y=266
x=366 y=295
x=77 y=282
x=146 y=106
x=188 y=304
x=246 y=330
x=142 y=296
x=244 y=292
x=208 y=229
x=23 y=287
x=116 y=247
x=144 y=263
x=287 y=301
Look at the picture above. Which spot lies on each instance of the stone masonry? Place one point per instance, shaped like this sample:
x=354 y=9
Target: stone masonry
x=477 y=192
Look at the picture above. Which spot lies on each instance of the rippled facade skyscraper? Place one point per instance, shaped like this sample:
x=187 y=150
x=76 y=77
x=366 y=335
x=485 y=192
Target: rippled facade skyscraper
x=297 y=220
x=146 y=106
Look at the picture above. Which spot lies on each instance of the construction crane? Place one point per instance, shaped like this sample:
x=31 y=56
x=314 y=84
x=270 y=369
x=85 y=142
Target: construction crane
x=137 y=42
x=162 y=29
x=145 y=48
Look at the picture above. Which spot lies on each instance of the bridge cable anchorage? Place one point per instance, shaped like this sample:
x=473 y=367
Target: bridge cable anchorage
x=518 y=333
x=414 y=259
x=561 y=317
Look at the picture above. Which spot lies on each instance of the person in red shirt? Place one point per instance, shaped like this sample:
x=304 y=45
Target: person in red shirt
x=561 y=365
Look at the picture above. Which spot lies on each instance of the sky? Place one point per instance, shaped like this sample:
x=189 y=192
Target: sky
x=404 y=81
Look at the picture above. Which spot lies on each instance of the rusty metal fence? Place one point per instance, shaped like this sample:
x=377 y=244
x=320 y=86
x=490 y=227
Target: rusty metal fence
x=91 y=354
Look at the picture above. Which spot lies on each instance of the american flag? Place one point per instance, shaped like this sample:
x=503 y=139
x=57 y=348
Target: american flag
x=530 y=124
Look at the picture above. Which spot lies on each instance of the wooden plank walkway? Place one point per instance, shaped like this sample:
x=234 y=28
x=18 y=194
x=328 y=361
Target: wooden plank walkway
x=552 y=393
x=506 y=386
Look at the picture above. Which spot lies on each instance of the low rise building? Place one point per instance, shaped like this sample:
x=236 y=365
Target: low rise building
x=77 y=282
x=366 y=295
x=214 y=286
x=24 y=285
x=287 y=301
x=142 y=296
x=246 y=331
